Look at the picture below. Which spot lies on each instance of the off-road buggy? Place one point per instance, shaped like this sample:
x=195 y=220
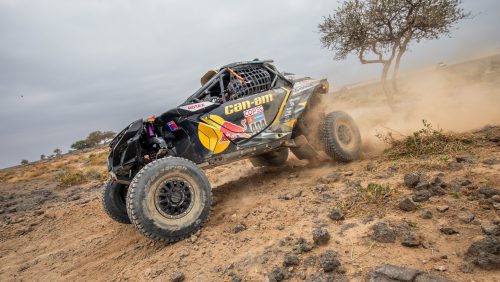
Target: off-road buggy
x=243 y=110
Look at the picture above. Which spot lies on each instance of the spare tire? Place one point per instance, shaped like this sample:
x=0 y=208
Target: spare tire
x=340 y=137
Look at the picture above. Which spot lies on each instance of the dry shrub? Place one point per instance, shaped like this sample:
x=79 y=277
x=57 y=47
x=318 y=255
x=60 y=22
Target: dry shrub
x=366 y=198
x=424 y=142
x=98 y=159
x=69 y=178
x=93 y=173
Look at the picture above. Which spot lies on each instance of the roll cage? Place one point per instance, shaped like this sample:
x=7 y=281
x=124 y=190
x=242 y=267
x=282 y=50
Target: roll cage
x=220 y=80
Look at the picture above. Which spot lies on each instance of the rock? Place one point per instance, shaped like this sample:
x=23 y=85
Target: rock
x=491 y=229
x=488 y=192
x=11 y=210
x=426 y=277
x=286 y=197
x=392 y=273
x=495 y=198
x=438 y=180
x=278 y=274
x=411 y=241
x=320 y=277
x=485 y=253
x=371 y=167
x=290 y=260
x=74 y=198
x=407 y=205
x=239 y=227
x=388 y=273
x=337 y=214
x=440 y=268
x=422 y=185
x=329 y=261
x=177 y=276
x=466 y=217
x=421 y=196
x=302 y=246
x=437 y=190
x=412 y=179
x=235 y=277
x=464 y=159
x=455 y=166
x=332 y=177
x=493 y=161
x=383 y=233
x=348 y=173
x=448 y=230
x=321 y=236
x=442 y=208
x=426 y=214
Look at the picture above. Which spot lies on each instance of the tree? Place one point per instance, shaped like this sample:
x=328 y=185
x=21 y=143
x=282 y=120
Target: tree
x=43 y=157
x=385 y=29
x=57 y=152
x=97 y=137
x=80 y=145
x=25 y=162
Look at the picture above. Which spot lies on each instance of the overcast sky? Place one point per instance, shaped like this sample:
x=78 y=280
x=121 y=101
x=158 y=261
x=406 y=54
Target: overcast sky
x=69 y=67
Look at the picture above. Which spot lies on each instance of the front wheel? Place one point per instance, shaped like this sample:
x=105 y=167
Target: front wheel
x=169 y=199
x=340 y=137
x=113 y=201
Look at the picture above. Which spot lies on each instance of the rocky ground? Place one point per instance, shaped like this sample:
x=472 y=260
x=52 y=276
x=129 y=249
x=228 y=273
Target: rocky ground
x=377 y=219
x=394 y=216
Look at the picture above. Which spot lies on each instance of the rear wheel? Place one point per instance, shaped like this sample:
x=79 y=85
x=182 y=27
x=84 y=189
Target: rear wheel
x=274 y=158
x=340 y=137
x=169 y=199
x=113 y=201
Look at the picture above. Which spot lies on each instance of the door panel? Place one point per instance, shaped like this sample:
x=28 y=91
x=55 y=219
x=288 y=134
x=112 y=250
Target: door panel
x=241 y=119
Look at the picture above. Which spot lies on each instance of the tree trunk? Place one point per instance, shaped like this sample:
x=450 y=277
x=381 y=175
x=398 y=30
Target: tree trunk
x=387 y=91
x=395 y=72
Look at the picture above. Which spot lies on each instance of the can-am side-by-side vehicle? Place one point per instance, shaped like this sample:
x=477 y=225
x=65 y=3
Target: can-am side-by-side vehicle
x=243 y=110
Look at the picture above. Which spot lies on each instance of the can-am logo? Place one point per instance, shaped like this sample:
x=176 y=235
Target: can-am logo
x=197 y=106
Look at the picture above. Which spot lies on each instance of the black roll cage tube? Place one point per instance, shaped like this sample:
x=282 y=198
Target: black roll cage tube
x=223 y=70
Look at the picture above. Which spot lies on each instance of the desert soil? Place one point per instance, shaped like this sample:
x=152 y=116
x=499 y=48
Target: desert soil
x=262 y=222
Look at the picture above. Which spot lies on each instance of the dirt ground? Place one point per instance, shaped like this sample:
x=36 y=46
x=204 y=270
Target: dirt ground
x=54 y=232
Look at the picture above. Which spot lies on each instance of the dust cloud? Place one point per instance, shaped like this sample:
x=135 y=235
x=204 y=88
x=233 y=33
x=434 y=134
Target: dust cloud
x=458 y=98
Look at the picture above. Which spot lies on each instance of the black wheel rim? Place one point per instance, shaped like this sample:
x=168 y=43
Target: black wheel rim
x=344 y=134
x=174 y=198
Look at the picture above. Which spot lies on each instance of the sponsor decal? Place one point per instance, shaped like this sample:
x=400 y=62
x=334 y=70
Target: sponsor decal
x=256 y=119
x=196 y=106
x=172 y=126
x=303 y=84
x=244 y=105
x=253 y=111
x=216 y=134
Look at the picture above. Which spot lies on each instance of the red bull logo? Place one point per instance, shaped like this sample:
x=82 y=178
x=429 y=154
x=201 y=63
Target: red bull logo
x=216 y=134
x=231 y=131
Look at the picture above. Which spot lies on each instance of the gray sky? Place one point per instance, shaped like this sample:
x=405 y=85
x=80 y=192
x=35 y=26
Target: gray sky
x=97 y=65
